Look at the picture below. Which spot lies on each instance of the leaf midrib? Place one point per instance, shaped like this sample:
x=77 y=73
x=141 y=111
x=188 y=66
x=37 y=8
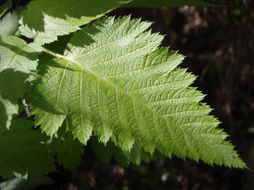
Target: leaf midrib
x=85 y=69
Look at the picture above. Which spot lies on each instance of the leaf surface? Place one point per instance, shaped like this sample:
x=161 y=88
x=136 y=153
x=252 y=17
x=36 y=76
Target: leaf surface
x=167 y=3
x=115 y=82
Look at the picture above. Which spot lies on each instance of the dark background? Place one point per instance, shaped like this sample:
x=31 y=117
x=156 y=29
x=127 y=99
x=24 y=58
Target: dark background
x=219 y=45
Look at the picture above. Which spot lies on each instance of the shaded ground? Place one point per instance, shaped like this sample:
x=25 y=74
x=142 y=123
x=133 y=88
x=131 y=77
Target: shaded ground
x=219 y=45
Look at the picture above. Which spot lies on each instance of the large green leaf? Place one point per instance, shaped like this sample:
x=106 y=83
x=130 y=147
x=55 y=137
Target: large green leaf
x=17 y=60
x=44 y=20
x=114 y=81
x=22 y=152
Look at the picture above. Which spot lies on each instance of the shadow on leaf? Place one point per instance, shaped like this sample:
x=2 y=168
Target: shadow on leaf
x=12 y=84
x=18 y=50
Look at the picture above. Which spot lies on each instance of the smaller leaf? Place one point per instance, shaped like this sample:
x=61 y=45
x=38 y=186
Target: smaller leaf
x=107 y=152
x=23 y=152
x=9 y=24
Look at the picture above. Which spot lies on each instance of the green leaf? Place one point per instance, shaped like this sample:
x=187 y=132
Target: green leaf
x=22 y=151
x=67 y=150
x=17 y=60
x=16 y=54
x=167 y=3
x=9 y=24
x=44 y=20
x=114 y=81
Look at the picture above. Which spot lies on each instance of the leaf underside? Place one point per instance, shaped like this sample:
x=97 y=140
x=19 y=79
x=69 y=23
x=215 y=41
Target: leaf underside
x=115 y=82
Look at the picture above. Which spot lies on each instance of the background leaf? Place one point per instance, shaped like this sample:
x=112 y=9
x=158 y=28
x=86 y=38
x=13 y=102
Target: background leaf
x=67 y=149
x=168 y=3
x=22 y=151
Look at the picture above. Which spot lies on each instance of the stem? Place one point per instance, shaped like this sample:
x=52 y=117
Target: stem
x=48 y=51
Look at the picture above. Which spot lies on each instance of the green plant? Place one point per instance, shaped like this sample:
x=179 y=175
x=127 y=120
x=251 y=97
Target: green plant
x=108 y=82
